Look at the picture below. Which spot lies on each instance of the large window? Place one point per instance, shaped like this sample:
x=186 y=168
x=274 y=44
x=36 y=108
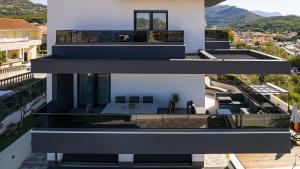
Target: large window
x=151 y=20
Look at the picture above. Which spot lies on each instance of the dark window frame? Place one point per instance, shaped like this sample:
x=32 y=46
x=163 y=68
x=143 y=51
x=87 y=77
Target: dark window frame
x=151 y=12
x=95 y=90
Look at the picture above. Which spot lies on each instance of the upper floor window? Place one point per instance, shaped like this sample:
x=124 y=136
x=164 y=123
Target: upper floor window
x=151 y=20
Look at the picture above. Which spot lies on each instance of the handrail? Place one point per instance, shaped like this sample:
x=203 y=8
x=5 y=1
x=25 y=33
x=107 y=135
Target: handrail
x=118 y=36
x=46 y=117
x=13 y=102
x=12 y=71
x=11 y=81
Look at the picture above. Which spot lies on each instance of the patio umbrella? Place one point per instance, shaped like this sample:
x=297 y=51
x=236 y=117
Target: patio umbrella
x=295 y=117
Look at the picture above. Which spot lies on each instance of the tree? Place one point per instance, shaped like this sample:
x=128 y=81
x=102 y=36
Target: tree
x=257 y=43
x=30 y=99
x=2 y=57
x=231 y=35
x=295 y=61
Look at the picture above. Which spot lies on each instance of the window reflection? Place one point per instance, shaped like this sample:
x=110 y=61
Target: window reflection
x=160 y=21
x=143 y=21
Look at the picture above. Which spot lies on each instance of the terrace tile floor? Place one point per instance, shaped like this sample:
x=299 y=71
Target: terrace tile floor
x=272 y=161
x=35 y=161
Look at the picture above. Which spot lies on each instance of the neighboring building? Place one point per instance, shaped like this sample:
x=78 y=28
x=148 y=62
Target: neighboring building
x=19 y=40
x=44 y=30
x=253 y=37
x=113 y=67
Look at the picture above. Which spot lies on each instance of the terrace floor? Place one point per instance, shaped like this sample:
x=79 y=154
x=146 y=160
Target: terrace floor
x=274 y=161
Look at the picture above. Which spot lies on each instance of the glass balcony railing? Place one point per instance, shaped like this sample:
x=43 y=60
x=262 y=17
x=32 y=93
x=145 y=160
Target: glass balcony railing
x=161 y=121
x=118 y=36
x=216 y=35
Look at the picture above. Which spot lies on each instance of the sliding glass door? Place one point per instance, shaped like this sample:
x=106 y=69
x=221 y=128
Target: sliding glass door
x=102 y=89
x=93 y=88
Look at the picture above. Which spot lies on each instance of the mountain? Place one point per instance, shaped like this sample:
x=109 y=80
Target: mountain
x=266 y=14
x=221 y=15
x=277 y=24
x=23 y=9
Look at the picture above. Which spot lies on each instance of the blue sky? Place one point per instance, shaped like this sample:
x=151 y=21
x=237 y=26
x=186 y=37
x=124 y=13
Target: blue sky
x=285 y=7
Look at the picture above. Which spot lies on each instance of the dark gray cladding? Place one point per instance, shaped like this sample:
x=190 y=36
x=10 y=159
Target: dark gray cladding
x=182 y=66
x=209 y=3
x=217 y=44
x=126 y=142
x=120 y=51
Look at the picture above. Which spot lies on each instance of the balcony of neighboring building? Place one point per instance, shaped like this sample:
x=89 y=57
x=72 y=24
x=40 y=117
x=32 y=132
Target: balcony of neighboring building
x=18 y=43
x=235 y=119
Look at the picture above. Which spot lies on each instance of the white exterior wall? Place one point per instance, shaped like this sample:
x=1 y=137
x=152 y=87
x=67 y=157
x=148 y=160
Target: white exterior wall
x=187 y=15
x=13 y=156
x=161 y=86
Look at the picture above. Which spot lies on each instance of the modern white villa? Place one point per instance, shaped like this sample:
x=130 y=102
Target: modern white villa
x=127 y=86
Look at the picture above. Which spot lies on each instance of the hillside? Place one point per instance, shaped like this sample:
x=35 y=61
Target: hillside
x=221 y=15
x=23 y=9
x=266 y=14
x=278 y=24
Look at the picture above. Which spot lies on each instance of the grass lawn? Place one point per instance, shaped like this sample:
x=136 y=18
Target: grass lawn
x=6 y=141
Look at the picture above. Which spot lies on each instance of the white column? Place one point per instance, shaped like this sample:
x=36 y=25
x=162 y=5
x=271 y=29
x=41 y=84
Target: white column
x=198 y=160
x=49 y=88
x=51 y=157
x=126 y=159
x=75 y=90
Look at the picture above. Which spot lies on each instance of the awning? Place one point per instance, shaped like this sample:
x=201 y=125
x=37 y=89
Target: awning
x=267 y=89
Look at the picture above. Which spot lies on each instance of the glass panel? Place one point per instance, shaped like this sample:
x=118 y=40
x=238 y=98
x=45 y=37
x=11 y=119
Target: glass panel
x=160 y=21
x=103 y=89
x=142 y=21
x=94 y=37
x=85 y=89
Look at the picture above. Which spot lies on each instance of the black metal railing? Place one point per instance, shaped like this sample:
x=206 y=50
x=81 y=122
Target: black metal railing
x=216 y=35
x=11 y=81
x=15 y=101
x=46 y=118
x=118 y=36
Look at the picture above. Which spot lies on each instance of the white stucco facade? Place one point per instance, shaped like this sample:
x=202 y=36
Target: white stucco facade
x=186 y=15
x=161 y=87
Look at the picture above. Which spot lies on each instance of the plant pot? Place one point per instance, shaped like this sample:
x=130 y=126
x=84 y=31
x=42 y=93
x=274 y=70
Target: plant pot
x=10 y=129
x=296 y=127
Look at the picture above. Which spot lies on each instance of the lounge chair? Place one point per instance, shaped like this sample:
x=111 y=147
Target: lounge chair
x=134 y=99
x=120 y=99
x=148 y=99
x=209 y=85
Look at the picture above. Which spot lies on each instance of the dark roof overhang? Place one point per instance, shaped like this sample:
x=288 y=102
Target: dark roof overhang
x=209 y=3
x=207 y=64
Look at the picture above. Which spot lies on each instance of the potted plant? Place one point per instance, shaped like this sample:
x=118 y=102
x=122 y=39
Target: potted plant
x=174 y=100
x=11 y=128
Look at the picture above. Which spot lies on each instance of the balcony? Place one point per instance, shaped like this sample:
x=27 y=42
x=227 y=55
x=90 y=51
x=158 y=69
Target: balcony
x=19 y=44
x=255 y=125
x=153 y=52
x=120 y=44
x=205 y=62
x=217 y=39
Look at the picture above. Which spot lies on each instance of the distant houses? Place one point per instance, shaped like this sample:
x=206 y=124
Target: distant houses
x=18 y=41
